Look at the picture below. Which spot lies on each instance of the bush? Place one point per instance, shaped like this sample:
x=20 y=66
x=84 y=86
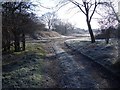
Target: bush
x=100 y=36
x=111 y=32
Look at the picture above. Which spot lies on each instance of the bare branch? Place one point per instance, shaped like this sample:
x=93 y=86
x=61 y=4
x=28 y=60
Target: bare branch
x=96 y=4
x=99 y=14
x=44 y=6
x=77 y=4
x=91 y=4
x=75 y=13
x=115 y=13
x=63 y=4
x=109 y=4
x=70 y=9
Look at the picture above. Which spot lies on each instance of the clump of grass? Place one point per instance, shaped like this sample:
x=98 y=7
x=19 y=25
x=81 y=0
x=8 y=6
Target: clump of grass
x=36 y=48
x=32 y=48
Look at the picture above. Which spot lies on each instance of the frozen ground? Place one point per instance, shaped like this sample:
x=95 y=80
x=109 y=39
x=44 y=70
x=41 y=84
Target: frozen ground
x=100 y=52
x=26 y=69
x=52 y=64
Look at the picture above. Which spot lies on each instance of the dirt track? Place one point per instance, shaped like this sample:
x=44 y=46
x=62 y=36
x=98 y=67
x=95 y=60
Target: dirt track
x=73 y=70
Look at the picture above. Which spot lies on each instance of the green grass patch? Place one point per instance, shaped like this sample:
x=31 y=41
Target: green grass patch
x=36 y=48
x=32 y=48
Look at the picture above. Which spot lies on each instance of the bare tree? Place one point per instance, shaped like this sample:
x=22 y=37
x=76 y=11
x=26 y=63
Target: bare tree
x=110 y=8
x=110 y=19
x=48 y=19
x=64 y=28
x=88 y=8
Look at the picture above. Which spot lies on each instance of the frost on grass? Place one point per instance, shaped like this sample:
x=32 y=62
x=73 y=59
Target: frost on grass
x=26 y=69
x=105 y=54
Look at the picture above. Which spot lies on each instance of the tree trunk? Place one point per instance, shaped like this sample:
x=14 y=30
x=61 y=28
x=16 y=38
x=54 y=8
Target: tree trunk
x=107 y=35
x=49 y=27
x=107 y=40
x=17 y=43
x=23 y=42
x=4 y=46
x=91 y=32
x=8 y=45
x=8 y=42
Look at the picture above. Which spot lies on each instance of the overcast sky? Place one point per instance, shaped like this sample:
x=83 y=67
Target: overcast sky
x=77 y=19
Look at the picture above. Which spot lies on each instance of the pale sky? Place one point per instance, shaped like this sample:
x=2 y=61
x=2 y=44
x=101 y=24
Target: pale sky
x=77 y=19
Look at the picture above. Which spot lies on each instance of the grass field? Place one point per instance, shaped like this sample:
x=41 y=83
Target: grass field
x=25 y=69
